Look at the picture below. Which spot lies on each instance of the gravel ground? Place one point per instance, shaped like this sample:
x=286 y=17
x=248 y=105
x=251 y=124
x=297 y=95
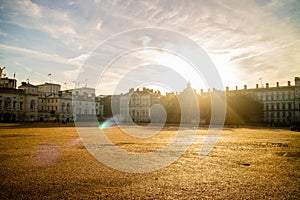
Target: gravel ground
x=47 y=162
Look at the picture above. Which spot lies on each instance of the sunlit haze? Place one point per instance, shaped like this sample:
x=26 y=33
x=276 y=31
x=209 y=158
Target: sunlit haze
x=248 y=41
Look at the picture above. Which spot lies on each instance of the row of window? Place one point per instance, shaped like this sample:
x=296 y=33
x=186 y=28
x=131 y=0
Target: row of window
x=137 y=113
x=55 y=108
x=278 y=114
x=278 y=120
x=144 y=102
x=85 y=111
x=279 y=106
x=8 y=105
x=276 y=93
x=52 y=101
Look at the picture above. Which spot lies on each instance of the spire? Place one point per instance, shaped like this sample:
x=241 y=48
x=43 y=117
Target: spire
x=188 y=84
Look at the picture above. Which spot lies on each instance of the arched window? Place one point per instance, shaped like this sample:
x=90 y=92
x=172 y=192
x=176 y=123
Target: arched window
x=14 y=105
x=32 y=105
x=7 y=103
x=63 y=107
x=21 y=105
x=68 y=107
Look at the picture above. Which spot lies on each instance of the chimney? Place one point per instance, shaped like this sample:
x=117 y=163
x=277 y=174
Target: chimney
x=277 y=84
x=289 y=83
x=267 y=85
x=236 y=87
x=297 y=81
x=245 y=87
x=227 y=89
x=256 y=86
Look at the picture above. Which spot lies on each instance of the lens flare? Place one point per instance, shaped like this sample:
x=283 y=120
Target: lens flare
x=74 y=142
x=113 y=54
x=47 y=154
x=109 y=123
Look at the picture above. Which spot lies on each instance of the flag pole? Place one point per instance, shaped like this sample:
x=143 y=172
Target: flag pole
x=261 y=84
x=50 y=74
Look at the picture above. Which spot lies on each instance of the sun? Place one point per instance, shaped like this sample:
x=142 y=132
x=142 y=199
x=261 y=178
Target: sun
x=227 y=71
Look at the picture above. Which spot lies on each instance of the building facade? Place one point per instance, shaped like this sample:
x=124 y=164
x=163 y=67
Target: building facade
x=48 y=88
x=136 y=105
x=68 y=105
x=281 y=104
x=17 y=104
x=55 y=107
x=46 y=102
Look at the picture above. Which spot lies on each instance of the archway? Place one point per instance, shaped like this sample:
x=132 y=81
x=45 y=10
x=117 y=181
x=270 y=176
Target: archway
x=7 y=117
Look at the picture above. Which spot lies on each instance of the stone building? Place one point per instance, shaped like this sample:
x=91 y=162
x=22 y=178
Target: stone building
x=136 y=105
x=31 y=101
x=67 y=105
x=85 y=104
x=280 y=104
x=17 y=104
x=55 y=107
x=48 y=88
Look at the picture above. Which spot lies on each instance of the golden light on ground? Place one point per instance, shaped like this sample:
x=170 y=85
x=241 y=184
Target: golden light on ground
x=246 y=163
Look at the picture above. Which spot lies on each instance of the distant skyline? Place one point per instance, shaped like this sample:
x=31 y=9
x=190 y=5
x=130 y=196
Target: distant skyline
x=246 y=40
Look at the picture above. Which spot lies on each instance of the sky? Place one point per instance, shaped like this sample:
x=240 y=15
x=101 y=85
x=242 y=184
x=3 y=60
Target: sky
x=249 y=42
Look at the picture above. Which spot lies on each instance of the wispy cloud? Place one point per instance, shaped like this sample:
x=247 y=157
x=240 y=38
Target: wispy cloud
x=79 y=60
x=3 y=34
x=35 y=54
x=257 y=36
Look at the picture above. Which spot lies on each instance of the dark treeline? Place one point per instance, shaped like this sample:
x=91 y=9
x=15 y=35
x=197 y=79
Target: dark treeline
x=240 y=109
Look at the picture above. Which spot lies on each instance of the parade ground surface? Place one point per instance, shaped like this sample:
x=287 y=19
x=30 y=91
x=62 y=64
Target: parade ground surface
x=49 y=161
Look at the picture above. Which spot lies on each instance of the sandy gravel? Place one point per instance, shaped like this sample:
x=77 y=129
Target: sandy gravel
x=48 y=162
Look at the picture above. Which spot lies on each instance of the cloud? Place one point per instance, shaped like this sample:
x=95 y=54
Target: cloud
x=3 y=34
x=242 y=36
x=98 y=26
x=30 y=15
x=35 y=54
x=28 y=69
x=71 y=75
x=79 y=60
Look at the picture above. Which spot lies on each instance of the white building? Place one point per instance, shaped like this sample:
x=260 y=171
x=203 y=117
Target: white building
x=85 y=105
x=67 y=105
x=84 y=91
